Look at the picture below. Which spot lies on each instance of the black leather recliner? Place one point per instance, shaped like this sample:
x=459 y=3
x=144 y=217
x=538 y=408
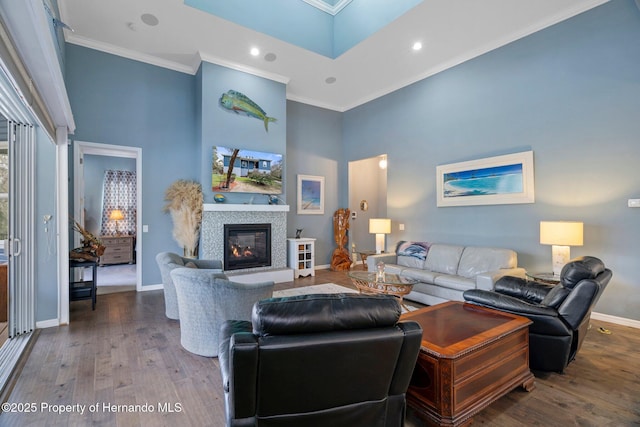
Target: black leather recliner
x=319 y=360
x=560 y=313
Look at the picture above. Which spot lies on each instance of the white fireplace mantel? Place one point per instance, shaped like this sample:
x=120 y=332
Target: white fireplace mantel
x=224 y=207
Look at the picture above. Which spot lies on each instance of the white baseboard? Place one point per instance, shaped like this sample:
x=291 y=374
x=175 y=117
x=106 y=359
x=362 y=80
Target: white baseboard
x=615 y=319
x=152 y=287
x=51 y=323
x=323 y=267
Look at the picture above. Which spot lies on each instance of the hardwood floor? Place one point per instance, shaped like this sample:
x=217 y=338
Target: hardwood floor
x=127 y=352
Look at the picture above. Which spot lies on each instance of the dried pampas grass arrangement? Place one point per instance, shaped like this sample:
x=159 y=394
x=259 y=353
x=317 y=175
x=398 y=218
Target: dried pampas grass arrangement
x=184 y=203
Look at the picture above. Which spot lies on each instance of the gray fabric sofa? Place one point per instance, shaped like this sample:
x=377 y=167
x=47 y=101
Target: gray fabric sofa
x=445 y=271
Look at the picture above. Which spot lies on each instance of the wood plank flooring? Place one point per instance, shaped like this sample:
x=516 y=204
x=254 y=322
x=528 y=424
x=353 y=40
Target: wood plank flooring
x=127 y=353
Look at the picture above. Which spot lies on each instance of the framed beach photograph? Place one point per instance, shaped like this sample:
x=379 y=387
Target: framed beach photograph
x=310 y=195
x=490 y=181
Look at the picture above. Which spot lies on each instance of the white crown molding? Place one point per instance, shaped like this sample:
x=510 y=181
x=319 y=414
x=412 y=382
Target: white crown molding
x=314 y=102
x=128 y=53
x=172 y=65
x=331 y=10
x=245 y=69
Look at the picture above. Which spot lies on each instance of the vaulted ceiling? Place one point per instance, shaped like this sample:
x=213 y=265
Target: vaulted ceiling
x=175 y=35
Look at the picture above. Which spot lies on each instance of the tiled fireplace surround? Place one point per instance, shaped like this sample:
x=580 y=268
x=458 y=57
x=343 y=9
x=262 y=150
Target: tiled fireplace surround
x=215 y=216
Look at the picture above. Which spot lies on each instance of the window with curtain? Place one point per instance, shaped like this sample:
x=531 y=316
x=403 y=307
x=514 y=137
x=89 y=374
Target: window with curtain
x=118 y=194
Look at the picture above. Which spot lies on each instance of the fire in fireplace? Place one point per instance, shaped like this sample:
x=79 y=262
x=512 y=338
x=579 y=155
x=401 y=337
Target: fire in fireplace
x=247 y=246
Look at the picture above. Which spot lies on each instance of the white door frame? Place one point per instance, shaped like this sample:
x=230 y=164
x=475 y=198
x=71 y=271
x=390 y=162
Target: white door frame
x=80 y=149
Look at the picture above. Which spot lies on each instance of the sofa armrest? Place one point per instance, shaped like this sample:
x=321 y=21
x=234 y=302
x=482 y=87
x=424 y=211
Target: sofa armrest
x=487 y=281
x=546 y=320
x=372 y=260
x=408 y=356
x=227 y=330
x=507 y=303
x=241 y=371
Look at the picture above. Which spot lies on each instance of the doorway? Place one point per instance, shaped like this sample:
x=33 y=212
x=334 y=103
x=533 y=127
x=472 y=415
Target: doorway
x=367 y=199
x=117 y=275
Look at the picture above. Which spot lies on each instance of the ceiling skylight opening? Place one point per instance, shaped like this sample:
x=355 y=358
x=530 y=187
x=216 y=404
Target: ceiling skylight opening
x=416 y=46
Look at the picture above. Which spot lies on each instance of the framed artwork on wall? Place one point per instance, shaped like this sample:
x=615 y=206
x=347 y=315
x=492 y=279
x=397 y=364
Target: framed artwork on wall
x=310 y=195
x=236 y=170
x=490 y=181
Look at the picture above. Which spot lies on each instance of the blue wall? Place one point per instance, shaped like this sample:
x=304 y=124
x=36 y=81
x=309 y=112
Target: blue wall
x=570 y=93
x=123 y=102
x=314 y=137
x=46 y=267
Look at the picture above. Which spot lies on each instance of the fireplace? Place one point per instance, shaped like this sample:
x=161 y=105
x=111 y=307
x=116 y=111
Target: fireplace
x=247 y=246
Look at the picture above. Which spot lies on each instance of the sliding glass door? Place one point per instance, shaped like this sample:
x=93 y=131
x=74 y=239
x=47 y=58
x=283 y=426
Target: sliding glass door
x=17 y=225
x=21 y=243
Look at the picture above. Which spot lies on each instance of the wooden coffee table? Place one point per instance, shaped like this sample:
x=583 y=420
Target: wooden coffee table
x=470 y=356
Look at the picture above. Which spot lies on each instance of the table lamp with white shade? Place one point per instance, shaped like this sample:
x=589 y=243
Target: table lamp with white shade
x=561 y=235
x=379 y=227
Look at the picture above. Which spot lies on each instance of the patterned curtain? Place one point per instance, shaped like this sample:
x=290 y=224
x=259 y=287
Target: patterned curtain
x=119 y=192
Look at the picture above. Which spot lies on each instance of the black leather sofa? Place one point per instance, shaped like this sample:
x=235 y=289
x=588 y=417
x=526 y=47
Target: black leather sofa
x=560 y=313
x=319 y=360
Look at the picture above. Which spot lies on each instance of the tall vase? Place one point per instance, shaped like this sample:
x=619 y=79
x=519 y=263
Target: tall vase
x=190 y=252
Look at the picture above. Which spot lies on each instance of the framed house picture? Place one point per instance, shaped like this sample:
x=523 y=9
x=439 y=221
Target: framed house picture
x=489 y=181
x=310 y=195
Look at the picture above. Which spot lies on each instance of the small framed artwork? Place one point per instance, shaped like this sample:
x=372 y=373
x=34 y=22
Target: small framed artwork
x=310 y=195
x=489 y=181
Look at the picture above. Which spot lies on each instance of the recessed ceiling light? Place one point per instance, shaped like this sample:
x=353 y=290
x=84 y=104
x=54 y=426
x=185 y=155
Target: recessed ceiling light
x=150 y=19
x=270 y=57
x=330 y=80
x=254 y=51
x=417 y=46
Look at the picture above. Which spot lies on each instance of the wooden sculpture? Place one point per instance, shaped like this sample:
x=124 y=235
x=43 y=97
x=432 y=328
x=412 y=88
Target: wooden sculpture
x=340 y=260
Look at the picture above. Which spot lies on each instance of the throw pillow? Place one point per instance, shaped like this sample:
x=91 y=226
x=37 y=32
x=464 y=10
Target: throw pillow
x=412 y=254
x=191 y=264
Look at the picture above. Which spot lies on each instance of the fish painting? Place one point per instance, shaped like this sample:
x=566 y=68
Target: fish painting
x=240 y=103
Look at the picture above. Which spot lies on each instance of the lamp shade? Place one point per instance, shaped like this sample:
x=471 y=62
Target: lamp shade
x=561 y=233
x=379 y=226
x=116 y=215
